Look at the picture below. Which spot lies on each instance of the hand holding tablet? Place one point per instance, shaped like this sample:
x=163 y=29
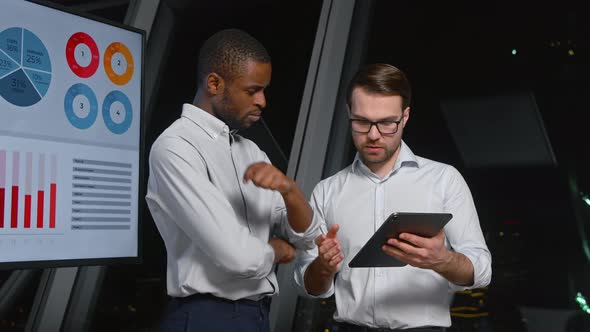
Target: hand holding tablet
x=421 y=224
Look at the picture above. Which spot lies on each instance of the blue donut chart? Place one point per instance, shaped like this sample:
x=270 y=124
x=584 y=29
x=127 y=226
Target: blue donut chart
x=73 y=118
x=112 y=97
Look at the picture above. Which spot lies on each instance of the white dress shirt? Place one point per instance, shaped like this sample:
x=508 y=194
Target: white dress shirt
x=359 y=201
x=216 y=228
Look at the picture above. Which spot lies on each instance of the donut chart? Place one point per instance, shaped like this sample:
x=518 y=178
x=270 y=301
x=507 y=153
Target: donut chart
x=117 y=112
x=82 y=54
x=118 y=63
x=81 y=106
x=25 y=67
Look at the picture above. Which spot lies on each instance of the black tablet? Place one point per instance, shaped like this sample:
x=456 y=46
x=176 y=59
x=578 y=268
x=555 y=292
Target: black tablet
x=421 y=224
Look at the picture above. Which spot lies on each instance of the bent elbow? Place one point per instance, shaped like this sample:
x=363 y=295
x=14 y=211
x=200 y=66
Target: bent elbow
x=248 y=266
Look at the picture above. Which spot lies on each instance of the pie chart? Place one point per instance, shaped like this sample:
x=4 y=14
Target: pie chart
x=25 y=67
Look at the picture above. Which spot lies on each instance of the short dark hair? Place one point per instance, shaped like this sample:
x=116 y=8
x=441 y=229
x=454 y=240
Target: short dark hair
x=381 y=79
x=225 y=53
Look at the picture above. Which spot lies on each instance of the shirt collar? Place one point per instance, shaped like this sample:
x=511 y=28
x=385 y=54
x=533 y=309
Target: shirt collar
x=405 y=158
x=209 y=123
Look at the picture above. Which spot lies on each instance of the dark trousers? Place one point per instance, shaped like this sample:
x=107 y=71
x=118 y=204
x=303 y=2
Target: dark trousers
x=207 y=313
x=345 y=327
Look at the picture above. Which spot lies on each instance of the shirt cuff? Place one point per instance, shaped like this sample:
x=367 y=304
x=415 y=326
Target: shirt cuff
x=300 y=283
x=304 y=240
x=481 y=271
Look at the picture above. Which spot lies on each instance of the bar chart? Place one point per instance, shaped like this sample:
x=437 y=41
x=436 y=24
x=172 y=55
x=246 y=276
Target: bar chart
x=31 y=204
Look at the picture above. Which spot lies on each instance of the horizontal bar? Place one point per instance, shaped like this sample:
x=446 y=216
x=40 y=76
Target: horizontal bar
x=100 y=219
x=103 y=227
x=103 y=203
x=100 y=163
x=101 y=195
x=105 y=211
x=100 y=179
x=101 y=171
x=95 y=186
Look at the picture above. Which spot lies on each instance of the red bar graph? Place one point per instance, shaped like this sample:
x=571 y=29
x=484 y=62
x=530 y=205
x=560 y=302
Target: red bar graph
x=52 y=202
x=28 y=186
x=23 y=195
x=2 y=195
x=15 y=173
x=27 y=211
x=14 y=208
x=40 y=206
x=2 y=186
x=53 y=192
x=41 y=191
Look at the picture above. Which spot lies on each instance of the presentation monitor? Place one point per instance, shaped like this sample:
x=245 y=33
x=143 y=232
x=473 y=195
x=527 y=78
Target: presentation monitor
x=70 y=138
x=499 y=131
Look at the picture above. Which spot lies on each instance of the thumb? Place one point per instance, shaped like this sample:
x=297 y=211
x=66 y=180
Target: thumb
x=332 y=232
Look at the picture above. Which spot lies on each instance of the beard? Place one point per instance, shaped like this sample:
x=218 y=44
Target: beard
x=383 y=156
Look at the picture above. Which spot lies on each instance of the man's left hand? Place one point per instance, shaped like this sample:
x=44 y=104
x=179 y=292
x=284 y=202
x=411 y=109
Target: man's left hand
x=422 y=252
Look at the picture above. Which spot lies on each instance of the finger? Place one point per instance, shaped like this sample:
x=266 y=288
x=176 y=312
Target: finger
x=333 y=230
x=416 y=240
x=328 y=244
x=319 y=240
x=327 y=247
x=403 y=246
x=440 y=236
x=262 y=179
x=334 y=251
x=393 y=252
x=259 y=174
x=250 y=172
x=336 y=260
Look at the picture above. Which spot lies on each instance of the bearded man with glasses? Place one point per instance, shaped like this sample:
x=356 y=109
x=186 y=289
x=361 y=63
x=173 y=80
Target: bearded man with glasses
x=386 y=177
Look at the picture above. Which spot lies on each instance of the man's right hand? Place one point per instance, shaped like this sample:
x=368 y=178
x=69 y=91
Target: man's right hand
x=320 y=273
x=330 y=255
x=284 y=251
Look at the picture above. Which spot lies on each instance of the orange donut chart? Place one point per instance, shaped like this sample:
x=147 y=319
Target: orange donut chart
x=111 y=50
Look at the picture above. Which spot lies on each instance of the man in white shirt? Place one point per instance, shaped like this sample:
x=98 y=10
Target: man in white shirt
x=217 y=201
x=387 y=177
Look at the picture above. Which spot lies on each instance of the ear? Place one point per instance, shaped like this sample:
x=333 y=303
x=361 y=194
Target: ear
x=406 y=116
x=215 y=84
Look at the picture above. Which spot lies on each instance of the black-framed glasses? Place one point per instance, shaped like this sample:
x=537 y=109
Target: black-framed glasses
x=388 y=127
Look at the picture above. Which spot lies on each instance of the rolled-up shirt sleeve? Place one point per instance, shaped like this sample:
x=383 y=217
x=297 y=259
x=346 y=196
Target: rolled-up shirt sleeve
x=180 y=190
x=306 y=257
x=300 y=240
x=464 y=231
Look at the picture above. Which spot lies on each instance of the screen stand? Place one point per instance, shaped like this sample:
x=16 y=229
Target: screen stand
x=51 y=299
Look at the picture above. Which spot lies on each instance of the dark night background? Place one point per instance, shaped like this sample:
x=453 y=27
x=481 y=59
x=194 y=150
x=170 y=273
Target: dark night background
x=449 y=50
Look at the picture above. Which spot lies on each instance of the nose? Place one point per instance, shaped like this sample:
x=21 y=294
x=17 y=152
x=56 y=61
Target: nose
x=260 y=99
x=373 y=133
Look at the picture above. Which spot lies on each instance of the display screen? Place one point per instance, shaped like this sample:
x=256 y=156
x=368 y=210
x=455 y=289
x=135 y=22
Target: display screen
x=70 y=137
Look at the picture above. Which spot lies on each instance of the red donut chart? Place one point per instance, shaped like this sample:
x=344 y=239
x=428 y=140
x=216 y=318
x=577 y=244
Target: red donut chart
x=82 y=54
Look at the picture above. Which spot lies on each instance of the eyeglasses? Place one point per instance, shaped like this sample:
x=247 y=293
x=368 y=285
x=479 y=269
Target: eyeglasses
x=388 y=127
